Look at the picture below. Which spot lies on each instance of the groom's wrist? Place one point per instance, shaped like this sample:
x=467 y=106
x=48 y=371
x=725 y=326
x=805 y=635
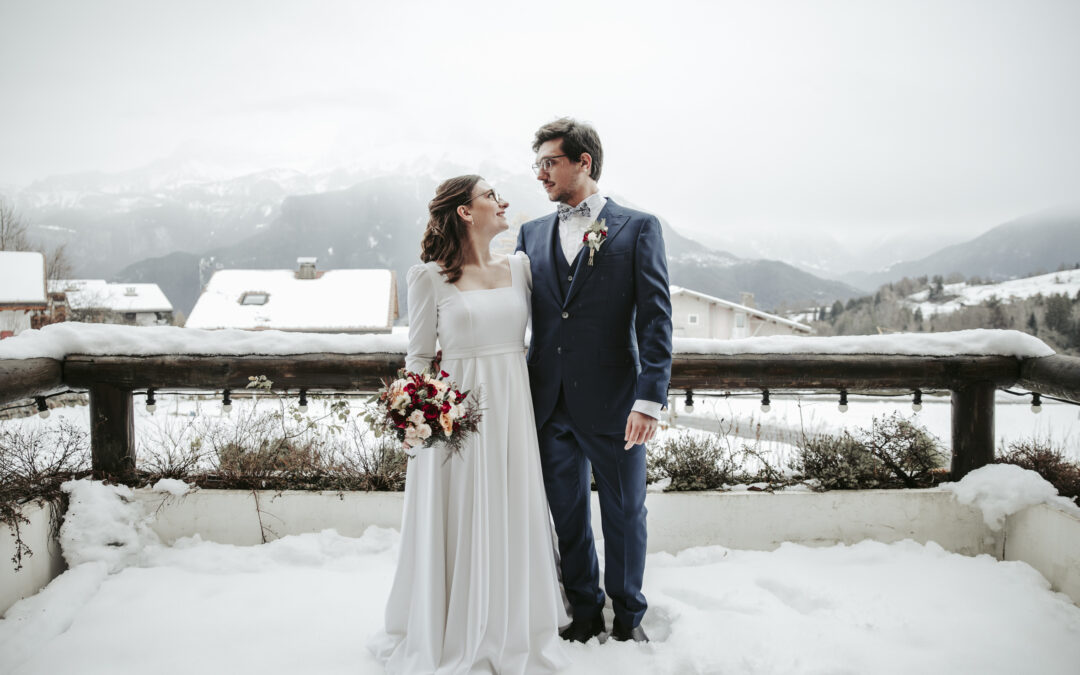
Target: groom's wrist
x=650 y=408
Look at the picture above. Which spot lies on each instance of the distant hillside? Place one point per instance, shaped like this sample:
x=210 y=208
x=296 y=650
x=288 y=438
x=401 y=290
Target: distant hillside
x=1034 y=244
x=378 y=223
x=173 y=223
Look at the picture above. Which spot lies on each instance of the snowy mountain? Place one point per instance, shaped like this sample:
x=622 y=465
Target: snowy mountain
x=957 y=296
x=1033 y=244
x=175 y=221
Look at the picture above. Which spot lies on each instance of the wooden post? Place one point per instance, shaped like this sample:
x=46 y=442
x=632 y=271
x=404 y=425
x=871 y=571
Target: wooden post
x=112 y=431
x=972 y=428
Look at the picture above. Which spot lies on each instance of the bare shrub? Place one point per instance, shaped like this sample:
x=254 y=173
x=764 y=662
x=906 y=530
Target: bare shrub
x=1048 y=459
x=838 y=462
x=695 y=461
x=34 y=462
x=894 y=452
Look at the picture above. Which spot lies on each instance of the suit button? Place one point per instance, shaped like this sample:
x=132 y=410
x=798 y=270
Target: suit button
x=570 y=278
x=558 y=350
x=566 y=315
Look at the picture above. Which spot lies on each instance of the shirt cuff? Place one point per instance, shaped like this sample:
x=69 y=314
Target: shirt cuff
x=650 y=408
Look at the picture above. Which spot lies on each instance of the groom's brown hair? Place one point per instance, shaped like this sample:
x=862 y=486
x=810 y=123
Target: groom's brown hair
x=577 y=137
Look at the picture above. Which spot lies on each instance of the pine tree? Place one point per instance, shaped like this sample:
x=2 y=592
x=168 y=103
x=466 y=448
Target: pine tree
x=1033 y=324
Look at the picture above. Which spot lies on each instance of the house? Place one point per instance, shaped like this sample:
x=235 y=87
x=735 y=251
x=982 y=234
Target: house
x=697 y=315
x=302 y=300
x=23 y=301
x=97 y=301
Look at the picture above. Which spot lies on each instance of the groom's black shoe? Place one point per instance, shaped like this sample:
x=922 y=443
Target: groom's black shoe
x=622 y=633
x=584 y=630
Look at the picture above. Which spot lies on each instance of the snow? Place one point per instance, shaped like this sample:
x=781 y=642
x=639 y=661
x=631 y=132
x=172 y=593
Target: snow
x=58 y=340
x=103 y=524
x=308 y=603
x=84 y=294
x=22 y=278
x=964 y=342
x=338 y=300
x=1001 y=490
x=177 y=488
x=1066 y=281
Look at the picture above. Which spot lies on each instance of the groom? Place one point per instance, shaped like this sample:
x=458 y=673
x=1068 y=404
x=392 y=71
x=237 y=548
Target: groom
x=599 y=364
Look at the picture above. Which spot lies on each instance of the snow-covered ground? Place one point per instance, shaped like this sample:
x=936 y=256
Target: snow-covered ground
x=308 y=603
x=1067 y=282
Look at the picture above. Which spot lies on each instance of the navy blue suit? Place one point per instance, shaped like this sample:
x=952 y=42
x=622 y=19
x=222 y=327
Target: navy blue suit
x=601 y=339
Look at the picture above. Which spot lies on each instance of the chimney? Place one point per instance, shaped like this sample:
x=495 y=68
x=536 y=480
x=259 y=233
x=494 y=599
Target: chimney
x=305 y=268
x=748 y=300
x=130 y=291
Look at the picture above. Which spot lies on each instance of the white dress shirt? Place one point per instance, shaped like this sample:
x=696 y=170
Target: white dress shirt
x=571 y=236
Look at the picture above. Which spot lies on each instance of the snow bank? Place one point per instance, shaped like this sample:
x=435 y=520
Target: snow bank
x=59 y=340
x=964 y=342
x=172 y=486
x=103 y=524
x=1000 y=490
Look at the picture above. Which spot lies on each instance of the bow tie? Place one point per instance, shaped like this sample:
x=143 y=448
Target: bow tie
x=567 y=212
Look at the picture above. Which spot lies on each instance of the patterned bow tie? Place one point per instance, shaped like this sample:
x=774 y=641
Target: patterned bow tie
x=567 y=212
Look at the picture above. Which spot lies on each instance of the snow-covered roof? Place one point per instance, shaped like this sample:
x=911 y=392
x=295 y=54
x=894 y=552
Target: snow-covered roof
x=86 y=294
x=337 y=301
x=22 y=278
x=764 y=316
x=58 y=340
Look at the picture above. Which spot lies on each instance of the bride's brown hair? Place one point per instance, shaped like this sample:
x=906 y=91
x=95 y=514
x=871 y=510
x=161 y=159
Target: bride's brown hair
x=446 y=234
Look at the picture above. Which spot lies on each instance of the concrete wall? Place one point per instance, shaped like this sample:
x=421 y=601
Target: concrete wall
x=754 y=521
x=38 y=569
x=1049 y=541
x=1044 y=538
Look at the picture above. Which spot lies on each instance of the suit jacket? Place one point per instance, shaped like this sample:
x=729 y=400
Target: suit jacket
x=606 y=343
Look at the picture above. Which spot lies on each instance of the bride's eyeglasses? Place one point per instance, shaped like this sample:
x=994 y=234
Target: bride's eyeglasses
x=492 y=194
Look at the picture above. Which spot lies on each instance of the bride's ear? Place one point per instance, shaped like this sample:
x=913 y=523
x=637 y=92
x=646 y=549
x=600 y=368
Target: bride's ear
x=463 y=213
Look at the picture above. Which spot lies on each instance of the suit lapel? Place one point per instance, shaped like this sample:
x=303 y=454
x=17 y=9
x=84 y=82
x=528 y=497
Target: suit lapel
x=614 y=218
x=547 y=248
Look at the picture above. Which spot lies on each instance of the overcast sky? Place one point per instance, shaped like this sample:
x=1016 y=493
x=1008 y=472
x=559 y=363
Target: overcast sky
x=845 y=116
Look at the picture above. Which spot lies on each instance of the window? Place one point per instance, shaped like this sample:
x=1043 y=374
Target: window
x=129 y=316
x=740 y=320
x=692 y=319
x=250 y=298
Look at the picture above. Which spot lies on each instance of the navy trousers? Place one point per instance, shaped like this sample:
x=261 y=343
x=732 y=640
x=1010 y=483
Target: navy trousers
x=566 y=454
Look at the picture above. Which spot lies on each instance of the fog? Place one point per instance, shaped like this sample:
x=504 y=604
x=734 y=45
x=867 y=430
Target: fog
x=858 y=120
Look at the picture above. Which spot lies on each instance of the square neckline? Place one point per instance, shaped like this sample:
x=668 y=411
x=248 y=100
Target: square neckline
x=509 y=262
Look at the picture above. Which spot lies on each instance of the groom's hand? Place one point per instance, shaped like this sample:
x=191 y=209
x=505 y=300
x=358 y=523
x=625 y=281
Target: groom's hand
x=639 y=429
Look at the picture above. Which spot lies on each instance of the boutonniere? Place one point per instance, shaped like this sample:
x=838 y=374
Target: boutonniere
x=594 y=238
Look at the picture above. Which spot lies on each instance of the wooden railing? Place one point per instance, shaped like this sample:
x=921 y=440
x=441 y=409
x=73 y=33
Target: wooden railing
x=972 y=380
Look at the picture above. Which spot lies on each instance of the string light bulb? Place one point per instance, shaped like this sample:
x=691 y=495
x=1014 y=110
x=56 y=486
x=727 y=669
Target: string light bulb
x=226 y=402
x=151 y=404
x=916 y=401
x=689 y=407
x=842 y=407
x=1036 y=402
x=43 y=408
x=303 y=401
x=765 y=407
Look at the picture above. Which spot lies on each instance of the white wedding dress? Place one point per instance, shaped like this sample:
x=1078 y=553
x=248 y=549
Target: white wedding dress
x=475 y=589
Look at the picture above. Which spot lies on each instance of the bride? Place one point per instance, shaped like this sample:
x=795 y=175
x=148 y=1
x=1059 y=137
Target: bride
x=475 y=589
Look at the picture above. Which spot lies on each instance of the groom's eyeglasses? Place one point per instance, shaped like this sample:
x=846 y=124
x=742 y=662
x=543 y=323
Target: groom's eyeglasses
x=545 y=164
x=495 y=196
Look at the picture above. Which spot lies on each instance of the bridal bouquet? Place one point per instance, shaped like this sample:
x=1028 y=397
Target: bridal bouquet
x=423 y=409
